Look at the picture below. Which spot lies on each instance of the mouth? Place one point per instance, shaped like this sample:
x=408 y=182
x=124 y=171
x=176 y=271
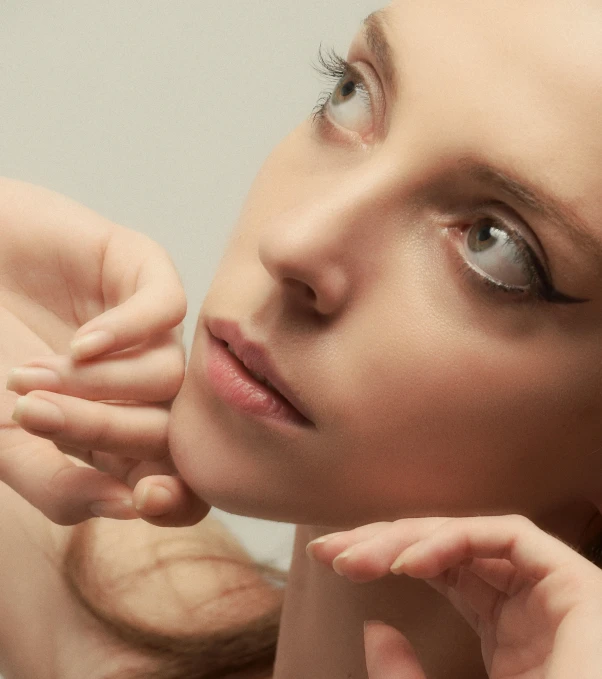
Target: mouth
x=243 y=375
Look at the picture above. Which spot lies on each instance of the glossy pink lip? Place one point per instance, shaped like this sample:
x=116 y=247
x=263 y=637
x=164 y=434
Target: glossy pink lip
x=234 y=383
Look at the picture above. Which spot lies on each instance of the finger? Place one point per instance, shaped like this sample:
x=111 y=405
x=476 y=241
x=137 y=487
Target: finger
x=168 y=501
x=389 y=655
x=498 y=573
x=156 y=304
x=144 y=373
x=63 y=491
x=514 y=538
x=371 y=556
x=327 y=547
x=138 y=432
x=474 y=598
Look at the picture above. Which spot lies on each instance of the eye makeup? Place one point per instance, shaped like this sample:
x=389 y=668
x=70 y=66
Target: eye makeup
x=347 y=81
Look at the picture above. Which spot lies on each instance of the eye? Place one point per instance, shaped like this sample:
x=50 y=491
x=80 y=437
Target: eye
x=348 y=104
x=498 y=254
x=491 y=250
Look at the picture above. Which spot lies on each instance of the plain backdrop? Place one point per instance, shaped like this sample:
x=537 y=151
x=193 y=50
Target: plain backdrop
x=158 y=114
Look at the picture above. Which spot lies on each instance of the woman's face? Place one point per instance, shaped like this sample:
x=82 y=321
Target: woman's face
x=422 y=263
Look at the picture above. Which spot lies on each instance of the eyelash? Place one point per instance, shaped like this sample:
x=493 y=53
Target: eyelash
x=540 y=287
x=333 y=67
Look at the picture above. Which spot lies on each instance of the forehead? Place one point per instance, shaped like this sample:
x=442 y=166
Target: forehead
x=516 y=78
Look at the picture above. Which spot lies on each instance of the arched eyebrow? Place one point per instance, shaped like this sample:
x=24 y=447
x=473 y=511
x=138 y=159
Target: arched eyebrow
x=533 y=198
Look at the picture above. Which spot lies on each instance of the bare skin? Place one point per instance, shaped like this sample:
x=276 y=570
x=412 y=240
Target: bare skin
x=445 y=371
x=439 y=380
x=105 y=457
x=39 y=611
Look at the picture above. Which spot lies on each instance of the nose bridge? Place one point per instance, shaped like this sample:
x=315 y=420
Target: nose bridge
x=333 y=216
x=315 y=246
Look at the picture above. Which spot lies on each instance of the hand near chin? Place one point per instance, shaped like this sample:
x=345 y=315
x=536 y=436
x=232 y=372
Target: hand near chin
x=535 y=603
x=89 y=436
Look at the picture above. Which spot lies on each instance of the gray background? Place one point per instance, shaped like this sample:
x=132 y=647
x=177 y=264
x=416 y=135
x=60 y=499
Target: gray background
x=157 y=114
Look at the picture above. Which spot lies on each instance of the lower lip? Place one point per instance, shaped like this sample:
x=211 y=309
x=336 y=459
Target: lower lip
x=235 y=385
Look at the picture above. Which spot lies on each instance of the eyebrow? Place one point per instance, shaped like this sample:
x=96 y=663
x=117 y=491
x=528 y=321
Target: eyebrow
x=374 y=26
x=530 y=197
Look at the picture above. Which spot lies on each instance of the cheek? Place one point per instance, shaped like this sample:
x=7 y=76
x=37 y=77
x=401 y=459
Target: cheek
x=450 y=419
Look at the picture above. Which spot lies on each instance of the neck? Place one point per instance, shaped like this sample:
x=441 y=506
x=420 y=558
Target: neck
x=321 y=633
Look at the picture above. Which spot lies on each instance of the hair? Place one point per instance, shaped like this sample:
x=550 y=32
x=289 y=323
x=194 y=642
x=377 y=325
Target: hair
x=231 y=650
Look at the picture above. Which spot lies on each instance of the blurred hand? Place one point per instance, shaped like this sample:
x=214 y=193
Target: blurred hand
x=90 y=316
x=535 y=603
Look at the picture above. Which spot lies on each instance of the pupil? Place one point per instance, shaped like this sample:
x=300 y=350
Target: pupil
x=348 y=88
x=484 y=234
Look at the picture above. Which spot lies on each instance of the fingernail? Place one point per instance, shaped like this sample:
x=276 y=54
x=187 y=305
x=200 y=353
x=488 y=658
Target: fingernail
x=398 y=564
x=39 y=414
x=27 y=379
x=404 y=558
x=372 y=623
x=324 y=538
x=91 y=344
x=113 y=509
x=340 y=560
x=154 y=501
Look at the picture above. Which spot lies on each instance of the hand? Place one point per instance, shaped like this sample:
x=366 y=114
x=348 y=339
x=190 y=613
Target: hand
x=98 y=306
x=535 y=602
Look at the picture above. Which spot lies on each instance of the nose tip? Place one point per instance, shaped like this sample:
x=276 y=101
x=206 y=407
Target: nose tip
x=307 y=280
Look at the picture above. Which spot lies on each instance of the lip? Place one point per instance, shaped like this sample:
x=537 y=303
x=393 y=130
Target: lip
x=279 y=403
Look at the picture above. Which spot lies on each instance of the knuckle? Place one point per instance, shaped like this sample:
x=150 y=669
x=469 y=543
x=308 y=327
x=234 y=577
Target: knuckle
x=172 y=376
x=520 y=522
x=100 y=433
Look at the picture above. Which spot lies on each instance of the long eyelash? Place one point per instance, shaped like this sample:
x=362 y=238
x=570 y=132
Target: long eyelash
x=333 y=67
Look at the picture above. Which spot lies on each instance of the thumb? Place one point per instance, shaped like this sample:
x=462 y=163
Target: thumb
x=167 y=501
x=389 y=655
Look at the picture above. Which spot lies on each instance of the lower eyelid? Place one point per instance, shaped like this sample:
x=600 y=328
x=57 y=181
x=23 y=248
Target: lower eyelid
x=454 y=243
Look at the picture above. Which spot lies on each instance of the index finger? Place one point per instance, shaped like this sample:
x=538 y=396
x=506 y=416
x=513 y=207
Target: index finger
x=515 y=538
x=156 y=303
x=63 y=491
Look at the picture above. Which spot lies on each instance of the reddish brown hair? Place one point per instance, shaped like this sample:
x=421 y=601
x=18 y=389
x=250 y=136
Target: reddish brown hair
x=230 y=650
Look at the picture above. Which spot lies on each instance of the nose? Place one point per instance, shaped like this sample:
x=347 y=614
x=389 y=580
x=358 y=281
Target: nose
x=309 y=251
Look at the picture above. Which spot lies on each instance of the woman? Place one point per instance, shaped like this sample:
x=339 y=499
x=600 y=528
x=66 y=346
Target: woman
x=416 y=273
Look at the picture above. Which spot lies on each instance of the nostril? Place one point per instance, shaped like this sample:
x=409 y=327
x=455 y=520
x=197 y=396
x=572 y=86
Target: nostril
x=304 y=291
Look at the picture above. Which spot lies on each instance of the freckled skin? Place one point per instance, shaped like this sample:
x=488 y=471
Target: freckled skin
x=431 y=393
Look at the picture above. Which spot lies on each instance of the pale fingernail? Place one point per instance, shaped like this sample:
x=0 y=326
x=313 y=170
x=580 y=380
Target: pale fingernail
x=32 y=378
x=341 y=559
x=404 y=558
x=40 y=414
x=323 y=539
x=309 y=549
x=114 y=509
x=398 y=564
x=91 y=344
x=154 y=501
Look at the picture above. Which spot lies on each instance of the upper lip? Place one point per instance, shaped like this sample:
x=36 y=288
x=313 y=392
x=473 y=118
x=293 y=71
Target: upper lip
x=255 y=358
